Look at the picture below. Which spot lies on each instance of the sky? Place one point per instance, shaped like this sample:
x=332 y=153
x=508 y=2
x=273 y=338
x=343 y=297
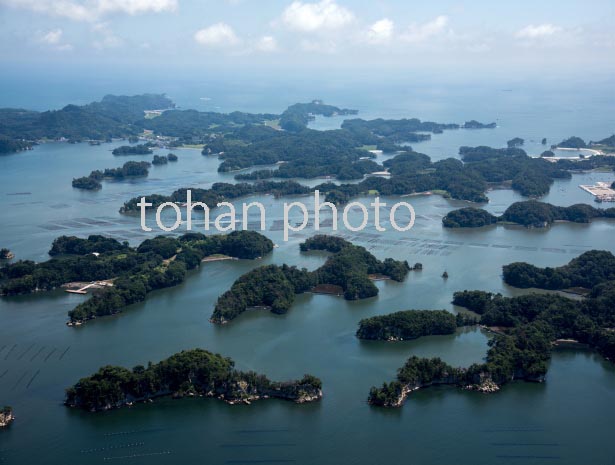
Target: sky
x=476 y=36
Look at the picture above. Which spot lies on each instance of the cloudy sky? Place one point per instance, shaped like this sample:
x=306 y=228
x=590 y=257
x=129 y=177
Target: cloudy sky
x=442 y=35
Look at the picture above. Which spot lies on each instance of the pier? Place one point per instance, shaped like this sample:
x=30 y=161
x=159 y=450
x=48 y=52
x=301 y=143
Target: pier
x=602 y=191
x=82 y=287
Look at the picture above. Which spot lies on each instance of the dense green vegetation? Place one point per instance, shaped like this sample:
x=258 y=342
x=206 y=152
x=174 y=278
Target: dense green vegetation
x=268 y=286
x=140 y=149
x=483 y=153
x=515 y=142
x=306 y=154
x=296 y=117
x=160 y=160
x=411 y=172
x=187 y=373
x=113 y=116
x=130 y=169
x=9 y=145
x=220 y=192
x=527 y=326
x=589 y=321
x=394 y=131
x=532 y=177
x=530 y=213
x=572 y=143
x=539 y=214
x=195 y=127
x=275 y=286
x=71 y=245
x=409 y=324
x=157 y=263
x=587 y=270
x=608 y=141
x=88 y=183
x=473 y=124
x=469 y=217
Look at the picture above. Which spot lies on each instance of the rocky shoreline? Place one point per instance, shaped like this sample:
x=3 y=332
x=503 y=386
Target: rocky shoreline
x=481 y=382
x=191 y=373
x=239 y=393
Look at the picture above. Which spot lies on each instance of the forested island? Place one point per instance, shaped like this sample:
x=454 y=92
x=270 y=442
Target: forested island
x=530 y=213
x=188 y=373
x=296 y=117
x=527 y=329
x=219 y=192
x=515 y=142
x=588 y=270
x=473 y=124
x=160 y=160
x=130 y=169
x=409 y=324
x=164 y=159
x=410 y=172
x=572 y=143
x=347 y=270
x=113 y=116
x=139 y=149
x=155 y=264
x=243 y=140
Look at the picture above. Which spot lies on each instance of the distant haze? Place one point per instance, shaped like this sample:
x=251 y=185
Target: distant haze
x=548 y=38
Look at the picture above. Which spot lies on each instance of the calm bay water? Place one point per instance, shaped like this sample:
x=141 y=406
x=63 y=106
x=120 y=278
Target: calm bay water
x=566 y=420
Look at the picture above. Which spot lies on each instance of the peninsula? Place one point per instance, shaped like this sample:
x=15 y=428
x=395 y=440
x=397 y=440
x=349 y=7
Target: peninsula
x=155 y=264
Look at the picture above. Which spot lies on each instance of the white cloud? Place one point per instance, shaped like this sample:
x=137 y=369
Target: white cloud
x=106 y=38
x=380 y=31
x=133 y=7
x=311 y=17
x=52 y=37
x=422 y=32
x=537 y=32
x=219 y=34
x=267 y=44
x=91 y=10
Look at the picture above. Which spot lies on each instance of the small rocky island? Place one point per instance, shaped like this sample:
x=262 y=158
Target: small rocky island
x=189 y=373
x=6 y=416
